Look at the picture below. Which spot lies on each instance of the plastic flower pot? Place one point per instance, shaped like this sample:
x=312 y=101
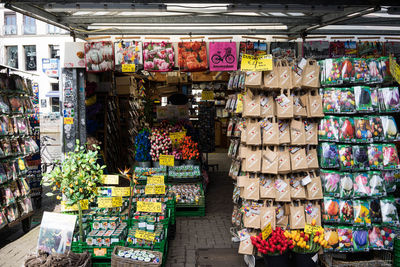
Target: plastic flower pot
x=277 y=260
x=156 y=164
x=145 y=164
x=305 y=259
x=191 y=162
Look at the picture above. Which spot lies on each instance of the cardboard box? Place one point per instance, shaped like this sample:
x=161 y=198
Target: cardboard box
x=173 y=77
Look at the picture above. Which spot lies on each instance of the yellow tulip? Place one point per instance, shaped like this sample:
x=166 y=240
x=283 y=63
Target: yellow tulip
x=307 y=247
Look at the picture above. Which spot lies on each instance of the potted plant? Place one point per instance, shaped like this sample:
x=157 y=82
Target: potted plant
x=190 y=151
x=177 y=156
x=274 y=248
x=306 y=246
x=77 y=178
x=142 y=145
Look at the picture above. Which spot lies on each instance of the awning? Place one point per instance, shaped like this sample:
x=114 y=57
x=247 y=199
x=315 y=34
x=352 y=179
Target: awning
x=53 y=94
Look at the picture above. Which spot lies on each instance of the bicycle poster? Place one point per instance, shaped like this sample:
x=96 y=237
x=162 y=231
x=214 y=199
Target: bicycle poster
x=223 y=56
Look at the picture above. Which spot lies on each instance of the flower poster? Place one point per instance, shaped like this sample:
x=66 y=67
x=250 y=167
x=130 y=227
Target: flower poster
x=128 y=52
x=99 y=56
x=223 y=56
x=158 y=56
x=192 y=56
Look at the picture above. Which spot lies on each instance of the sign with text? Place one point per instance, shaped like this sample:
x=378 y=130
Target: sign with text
x=128 y=67
x=109 y=202
x=121 y=191
x=140 y=234
x=149 y=206
x=256 y=63
x=222 y=56
x=266 y=231
x=157 y=179
x=309 y=229
x=167 y=160
x=69 y=120
x=394 y=69
x=207 y=95
x=84 y=206
x=154 y=189
x=100 y=252
x=111 y=179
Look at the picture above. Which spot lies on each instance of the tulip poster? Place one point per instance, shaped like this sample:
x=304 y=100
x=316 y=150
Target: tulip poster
x=223 y=56
x=128 y=53
x=192 y=56
x=158 y=56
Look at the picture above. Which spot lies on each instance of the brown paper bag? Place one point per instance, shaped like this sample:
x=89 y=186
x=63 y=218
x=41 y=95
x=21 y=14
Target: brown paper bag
x=253 y=133
x=296 y=78
x=252 y=189
x=241 y=180
x=282 y=187
x=297 y=132
x=246 y=247
x=284 y=132
x=252 y=221
x=269 y=160
x=253 y=160
x=253 y=79
x=297 y=191
x=314 y=104
x=314 y=188
x=243 y=136
x=298 y=159
x=311 y=131
x=270 y=132
x=313 y=211
x=297 y=217
x=311 y=74
x=284 y=165
x=312 y=158
x=282 y=221
x=284 y=105
x=267 y=187
x=251 y=104
x=300 y=104
x=268 y=215
x=271 y=78
x=285 y=74
x=267 y=104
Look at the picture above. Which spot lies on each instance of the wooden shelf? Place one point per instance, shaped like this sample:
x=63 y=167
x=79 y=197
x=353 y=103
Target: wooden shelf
x=11 y=224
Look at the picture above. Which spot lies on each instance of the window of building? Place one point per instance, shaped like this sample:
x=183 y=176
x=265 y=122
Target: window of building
x=55 y=104
x=29 y=25
x=10 y=23
x=30 y=57
x=51 y=29
x=12 y=56
x=54 y=51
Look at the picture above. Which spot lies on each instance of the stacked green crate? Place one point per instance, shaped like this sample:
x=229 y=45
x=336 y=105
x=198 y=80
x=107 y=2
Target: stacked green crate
x=396 y=252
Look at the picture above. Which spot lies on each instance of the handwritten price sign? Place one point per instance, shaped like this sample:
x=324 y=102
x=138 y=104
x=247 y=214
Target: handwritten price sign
x=111 y=179
x=149 y=206
x=120 y=191
x=157 y=179
x=154 y=190
x=309 y=229
x=109 y=202
x=84 y=206
x=140 y=234
x=256 y=63
x=167 y=160
x=266 y=231
x=128 y=67
x=207 y=95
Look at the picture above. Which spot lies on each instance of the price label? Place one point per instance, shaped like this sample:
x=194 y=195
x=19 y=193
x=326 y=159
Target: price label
x=121 y=191
x=84 y=206
x=256 y=63
x=68 y=120
x=109 y=202
x=167 y=160
x=239 y=105
x=309 y=229
x=157 y=179
x=248 y=63
x=394 y=69
x=140 y=234
x=149 y=206
x=128 y=67
x=266 y=231
x=154 y=190
x=100 y=251
x=111 y=179
x=207 y=95
x=264 y=63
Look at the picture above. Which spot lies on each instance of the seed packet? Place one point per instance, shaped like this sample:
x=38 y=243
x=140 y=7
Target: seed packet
x=375 y=210
x=390 y=157
x=375 y=238
x=361 y=212
x=346 y=211
x=346 y=129
x=360 y=71
x=389 y=100
x=388 y=236
x=331 y=182
x=360 y=155
x=347 y=69
x=330 y=211
x=345 y=234
x=330 y=100
x=376 y=184
x=16 y=104
x=332 y=71
x=22 y=125
x=346 y=100
x=15 y=149
x=390 y=180
x=375 y=156
x=4 y=106
x=360 y=239
x=332 y=237
x=346 y=188
x=346 y=157
x=328 y=129
x=389 y=211
x=374 y=99
x=389 y=128
x=329 y=157
x=5 y=144
x=375 y=76
x=362 y=187
x=363 y=98
x=4 y=123
x=363 y=130
x=377 y=128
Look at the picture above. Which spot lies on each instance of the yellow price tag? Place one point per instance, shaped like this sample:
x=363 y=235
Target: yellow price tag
x=264 y=63
x=128 y=67
x=207 y=95
x=68 y=120
x=154 y=190
x=394 y=69
x=21 y=164
x=149 y=206
x=84 y=206
x=309 y=229
x=167 y=160
x=149 y=236
x=239 y=105
x=109 y=202
x=266 y=231
x=248 y=63
x=120 y=191
x=157 y=179
x=111 y=179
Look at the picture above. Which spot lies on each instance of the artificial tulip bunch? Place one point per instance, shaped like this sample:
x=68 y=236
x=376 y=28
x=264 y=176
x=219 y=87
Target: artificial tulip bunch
x=189 y=149
x=160 y=143
x=276 y=243
x=177 y=153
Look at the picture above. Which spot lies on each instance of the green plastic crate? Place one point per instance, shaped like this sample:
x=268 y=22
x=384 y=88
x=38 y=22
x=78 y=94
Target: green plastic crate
x=102 y=263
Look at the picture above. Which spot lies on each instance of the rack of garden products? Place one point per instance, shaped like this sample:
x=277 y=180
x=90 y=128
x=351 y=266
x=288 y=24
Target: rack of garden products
x=17 y=143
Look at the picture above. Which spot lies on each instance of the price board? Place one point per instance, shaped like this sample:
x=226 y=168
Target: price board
x=109 y=202
x=248 y=63
x=128 y=67
x=309 y=229
x=167 y=160
x=156 y=179
x=207 y=95
x=154 y=190
x=84 y=206
x=149 y=206
x=149 y=236
x=111 y=179
x=256 y=63
x=266 y=231
x=120 y=191
x=264 y=63
x=68 y=120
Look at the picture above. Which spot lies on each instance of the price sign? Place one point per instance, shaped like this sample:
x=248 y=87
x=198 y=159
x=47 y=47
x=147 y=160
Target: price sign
x=111 y=179
x=239 y=106
x=207 y=95
x=120 y=191
x=256 y=63
x=116 y=202
x=128 y=67
x=266 y=231
x=264 y=63
x=149 y=206
x=154 y=190
x=157 y=179
x=394 y=69
x=167 y=160
x=84 y=206
x=68 y=120
x=109 y=202
x=309 y=229
x=140 y=234
x=248 y=63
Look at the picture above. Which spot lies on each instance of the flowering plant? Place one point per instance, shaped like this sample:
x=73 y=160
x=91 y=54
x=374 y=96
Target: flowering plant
x=142 y=145
x=160 y=143
x=276 y=243
x=189 y=149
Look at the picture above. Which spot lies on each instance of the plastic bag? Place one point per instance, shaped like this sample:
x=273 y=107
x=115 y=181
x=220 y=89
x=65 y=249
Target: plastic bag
x=346 y=129
x=375 y=238
x=375 y=210
x=328 y=129
x=362 y=186
x=345 y=239
x=346 y=100
x=363 y=129
x=330 y=211
x=377 y=128
x=329 y=157
x=388 y=236
x=360 y=71
x=377 y=184
x=361 y=212
x=330 y=100
x=360 y=156
x=390 y=180
x=389 y=128
x=363 y=98
x=331 y=182
x=360 y=239
x=389 y=211
x=346 y=211
x=390 y=156
x=375 y=156
x=332 y=237
x=346 y=157
x=346 y=185
x=389 y=99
